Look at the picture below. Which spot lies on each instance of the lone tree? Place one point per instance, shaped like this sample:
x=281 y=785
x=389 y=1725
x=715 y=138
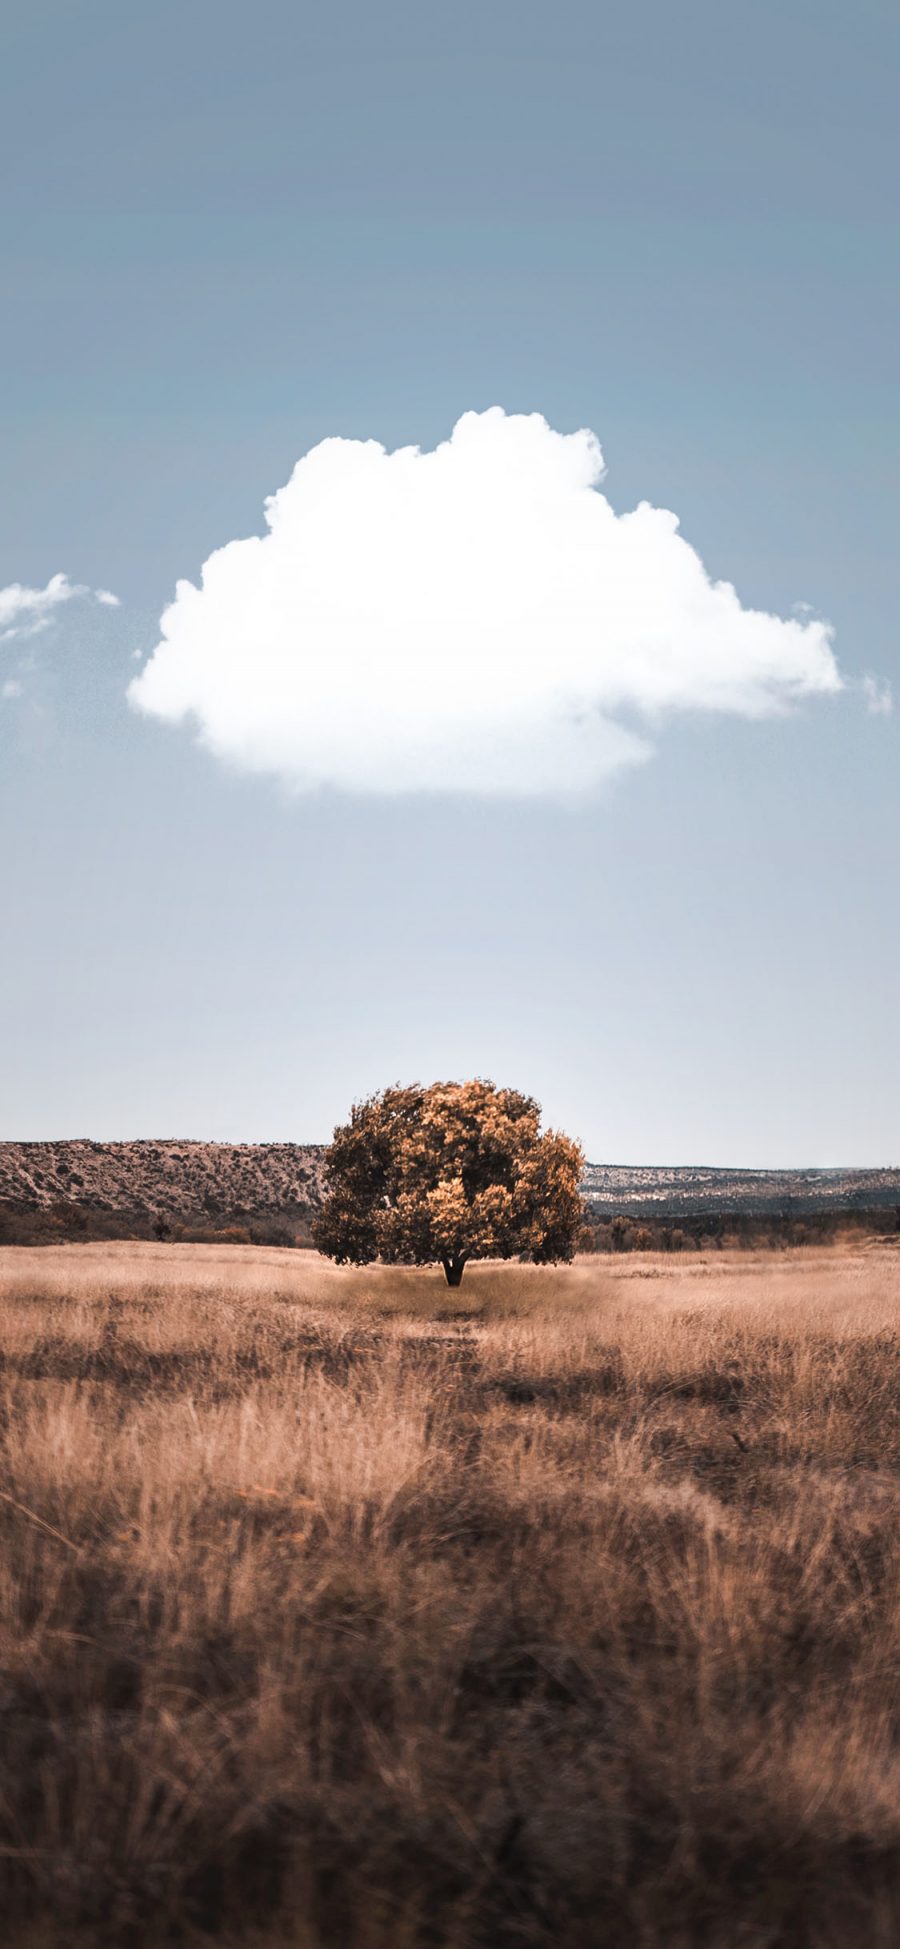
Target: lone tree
x=455 y=1172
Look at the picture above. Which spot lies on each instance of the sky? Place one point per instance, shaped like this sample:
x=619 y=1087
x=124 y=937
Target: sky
x=448 y=569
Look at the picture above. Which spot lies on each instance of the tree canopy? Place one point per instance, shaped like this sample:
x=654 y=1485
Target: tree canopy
x=453 y=1172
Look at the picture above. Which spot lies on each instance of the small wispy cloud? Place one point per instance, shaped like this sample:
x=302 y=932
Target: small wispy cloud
x=879 y=696
x=11 y=688
x=474 y=619
x=25 y=611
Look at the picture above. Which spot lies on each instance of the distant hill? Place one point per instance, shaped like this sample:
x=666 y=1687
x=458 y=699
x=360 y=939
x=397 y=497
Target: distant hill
x=146 y=1189
x=269 y=1193
x=653 y=1207
x=641 y=1191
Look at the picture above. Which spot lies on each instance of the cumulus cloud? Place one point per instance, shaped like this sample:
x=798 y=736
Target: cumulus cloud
x=477 y=618
x=24 y=611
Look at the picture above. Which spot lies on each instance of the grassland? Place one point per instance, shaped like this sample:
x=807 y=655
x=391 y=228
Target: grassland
x=342 y=1612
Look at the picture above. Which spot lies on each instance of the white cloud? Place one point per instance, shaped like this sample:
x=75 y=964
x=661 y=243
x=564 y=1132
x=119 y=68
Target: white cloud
x=472 y=619
x=879 y=696
x=24 y=611
x=11 y=688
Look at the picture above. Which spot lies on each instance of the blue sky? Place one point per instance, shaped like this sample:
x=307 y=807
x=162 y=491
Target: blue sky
x=231 y=233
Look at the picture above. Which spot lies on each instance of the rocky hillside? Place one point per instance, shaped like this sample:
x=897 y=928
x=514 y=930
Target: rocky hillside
x=269 y=1191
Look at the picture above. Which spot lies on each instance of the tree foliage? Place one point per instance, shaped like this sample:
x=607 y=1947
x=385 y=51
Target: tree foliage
x=454 y=1172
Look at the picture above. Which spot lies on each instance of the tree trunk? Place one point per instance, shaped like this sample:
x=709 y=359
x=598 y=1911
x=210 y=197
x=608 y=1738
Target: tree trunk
x=453 y=1269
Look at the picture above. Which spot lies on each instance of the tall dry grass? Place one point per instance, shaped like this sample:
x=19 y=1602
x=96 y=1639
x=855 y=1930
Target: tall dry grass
x=339 y=1609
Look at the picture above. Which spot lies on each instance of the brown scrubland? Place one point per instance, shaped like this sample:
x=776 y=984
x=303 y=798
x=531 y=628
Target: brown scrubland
x=339 y=1610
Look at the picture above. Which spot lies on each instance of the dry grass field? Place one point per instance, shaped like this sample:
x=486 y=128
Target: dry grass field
x=340 y=1611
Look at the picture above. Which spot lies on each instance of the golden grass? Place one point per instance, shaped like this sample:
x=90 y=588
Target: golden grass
x=338 y=1608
